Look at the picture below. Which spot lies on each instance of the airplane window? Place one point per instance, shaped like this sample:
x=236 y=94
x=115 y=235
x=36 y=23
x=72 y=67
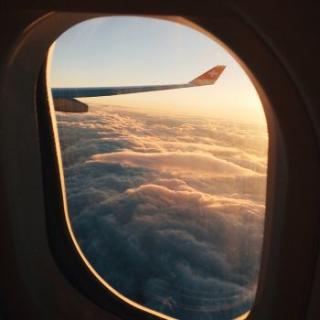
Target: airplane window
x=164 y=147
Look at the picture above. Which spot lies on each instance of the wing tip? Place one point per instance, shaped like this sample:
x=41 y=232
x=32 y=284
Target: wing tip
x=208 y=77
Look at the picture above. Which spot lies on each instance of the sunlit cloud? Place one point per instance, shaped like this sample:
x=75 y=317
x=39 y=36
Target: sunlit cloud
x=169 y=210
x=190 y=162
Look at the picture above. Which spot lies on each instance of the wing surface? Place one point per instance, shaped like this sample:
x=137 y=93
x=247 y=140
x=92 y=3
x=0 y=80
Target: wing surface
x=207 y=78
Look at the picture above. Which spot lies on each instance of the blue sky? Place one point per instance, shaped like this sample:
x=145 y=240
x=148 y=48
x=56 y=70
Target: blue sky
x=120 y=51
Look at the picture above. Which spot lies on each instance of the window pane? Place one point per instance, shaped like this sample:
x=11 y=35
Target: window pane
x=165 y=188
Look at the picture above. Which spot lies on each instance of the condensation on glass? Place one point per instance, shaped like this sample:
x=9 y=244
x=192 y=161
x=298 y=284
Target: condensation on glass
x=164 y=148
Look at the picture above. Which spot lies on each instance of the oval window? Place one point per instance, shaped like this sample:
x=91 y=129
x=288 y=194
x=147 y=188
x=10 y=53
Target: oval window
x=164 y=147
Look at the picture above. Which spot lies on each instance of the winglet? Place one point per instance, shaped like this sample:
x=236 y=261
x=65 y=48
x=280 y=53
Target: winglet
x=209 y=77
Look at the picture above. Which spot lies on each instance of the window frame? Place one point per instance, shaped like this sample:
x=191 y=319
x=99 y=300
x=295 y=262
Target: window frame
x=277 y=296
x=90 y=283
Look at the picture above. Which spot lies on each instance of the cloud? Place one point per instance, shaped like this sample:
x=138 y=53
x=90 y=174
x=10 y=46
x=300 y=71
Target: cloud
x=199 y=163
x=169 y=211
x=185 y=240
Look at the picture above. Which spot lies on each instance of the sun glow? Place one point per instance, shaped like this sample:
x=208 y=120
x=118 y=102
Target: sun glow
x=128 y=51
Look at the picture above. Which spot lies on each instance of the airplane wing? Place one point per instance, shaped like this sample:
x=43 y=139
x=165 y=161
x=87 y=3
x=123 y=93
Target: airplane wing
x=64 y=98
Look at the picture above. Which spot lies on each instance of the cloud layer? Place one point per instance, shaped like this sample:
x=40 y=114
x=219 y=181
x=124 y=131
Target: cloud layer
x=168 y=209
x=172 y=161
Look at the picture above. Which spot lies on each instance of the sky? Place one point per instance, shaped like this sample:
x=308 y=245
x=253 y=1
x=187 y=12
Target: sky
x=124 y=51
